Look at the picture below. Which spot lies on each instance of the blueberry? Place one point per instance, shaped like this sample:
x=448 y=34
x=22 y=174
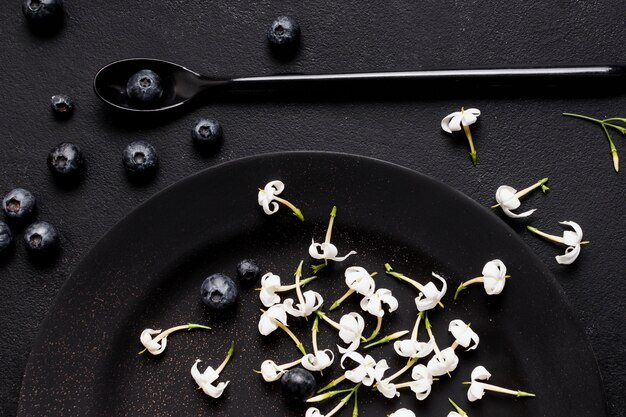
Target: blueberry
x=219 y=292
x=140 y=158
x=41 y=238
x=6 y=237
x=19 y=204
x=62 y=106
x=144 y=87
x=298 y=385
x=43 y=13
x=66 y=160
x=248 y=271
x=284 y=33
x=207 y=135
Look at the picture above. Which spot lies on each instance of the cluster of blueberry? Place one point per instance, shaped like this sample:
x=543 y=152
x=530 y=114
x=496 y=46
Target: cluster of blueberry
x=220 y=293
x=40 y=238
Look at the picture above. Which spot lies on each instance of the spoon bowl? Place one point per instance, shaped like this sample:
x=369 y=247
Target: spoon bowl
x=179 y=84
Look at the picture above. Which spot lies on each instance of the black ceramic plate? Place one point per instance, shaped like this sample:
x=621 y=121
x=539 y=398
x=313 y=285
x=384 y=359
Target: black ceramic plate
x=147 y=273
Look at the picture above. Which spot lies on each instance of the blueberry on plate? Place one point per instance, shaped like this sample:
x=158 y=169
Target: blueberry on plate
x=284 y=34
x=248 y=271
x=41 y=238
x=19 y=204
x=144 y=87
x=43 y=13
x=62 y=106
x=140 y=158
x=298 y=385
x=6 y=237
x=219 y=292
x=66 y=160
x=207 y=135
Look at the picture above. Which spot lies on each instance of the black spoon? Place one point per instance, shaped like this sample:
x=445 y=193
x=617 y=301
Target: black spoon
x=180 y=84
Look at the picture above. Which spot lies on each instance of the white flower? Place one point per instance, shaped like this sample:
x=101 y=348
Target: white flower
x=205 y=380
x=268 y=199
x=422 y=381
x=151 y=345
x=373 y=303
x=508 y=200
x=494 y=274
x=267 y=321
x=312 y=301
x=403 y=412
x=313 y=412
x=455 y=414
x=157 y=345
x=476 y=389
x=387 y=388
x=269 y=284
x=429 y=296
x=272 y=372
x=368 y=371
x=443 y=362
x=328 y=251
x=318 y=361
x=454 y=121
x=268 y=195
x=359 y=280
x=458 y=120
x=410 y=348
x=351 y=329
x=573 y=239
x=463 y=334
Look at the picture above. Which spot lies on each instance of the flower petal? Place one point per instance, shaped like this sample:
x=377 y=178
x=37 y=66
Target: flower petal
x=572 y=238
x=571 y=254
x=505 y=196
x=445 y=122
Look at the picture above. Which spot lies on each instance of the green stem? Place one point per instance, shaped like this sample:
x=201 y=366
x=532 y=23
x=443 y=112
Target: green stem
x=333 y=383
x=379 y=324
x=457 y=408
x=231 y=350
x=387 y=339
x=342 y=299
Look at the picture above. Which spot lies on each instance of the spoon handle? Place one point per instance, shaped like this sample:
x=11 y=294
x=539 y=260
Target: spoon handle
x=573 y=77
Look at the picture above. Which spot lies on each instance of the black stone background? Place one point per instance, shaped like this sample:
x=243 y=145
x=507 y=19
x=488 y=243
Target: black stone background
x=519 y=138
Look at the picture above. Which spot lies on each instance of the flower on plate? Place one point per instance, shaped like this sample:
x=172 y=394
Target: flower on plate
x=319 y=359
x=387 y=388
x=276 y=317
x=461 y=120
x=422 y=381
x=358 y=280
x=373 y=304
x=429 y=297
x=326 y=250
x=412 y=348
x=309 y=302
x=271 y=372
x=350 y=328
x=573 y=240
x=477 y=388
x=271 y=318
x=268 y=199
x=443 y=362
x=463 y=334
x=156 y=345
x=270 y=285
x=368 y=370
x=508 y=198
x=206 y=379
x=493 y=278
x=403 y=412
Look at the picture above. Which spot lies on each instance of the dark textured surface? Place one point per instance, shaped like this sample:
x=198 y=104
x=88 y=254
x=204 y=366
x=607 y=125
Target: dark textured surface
x=519 y=139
